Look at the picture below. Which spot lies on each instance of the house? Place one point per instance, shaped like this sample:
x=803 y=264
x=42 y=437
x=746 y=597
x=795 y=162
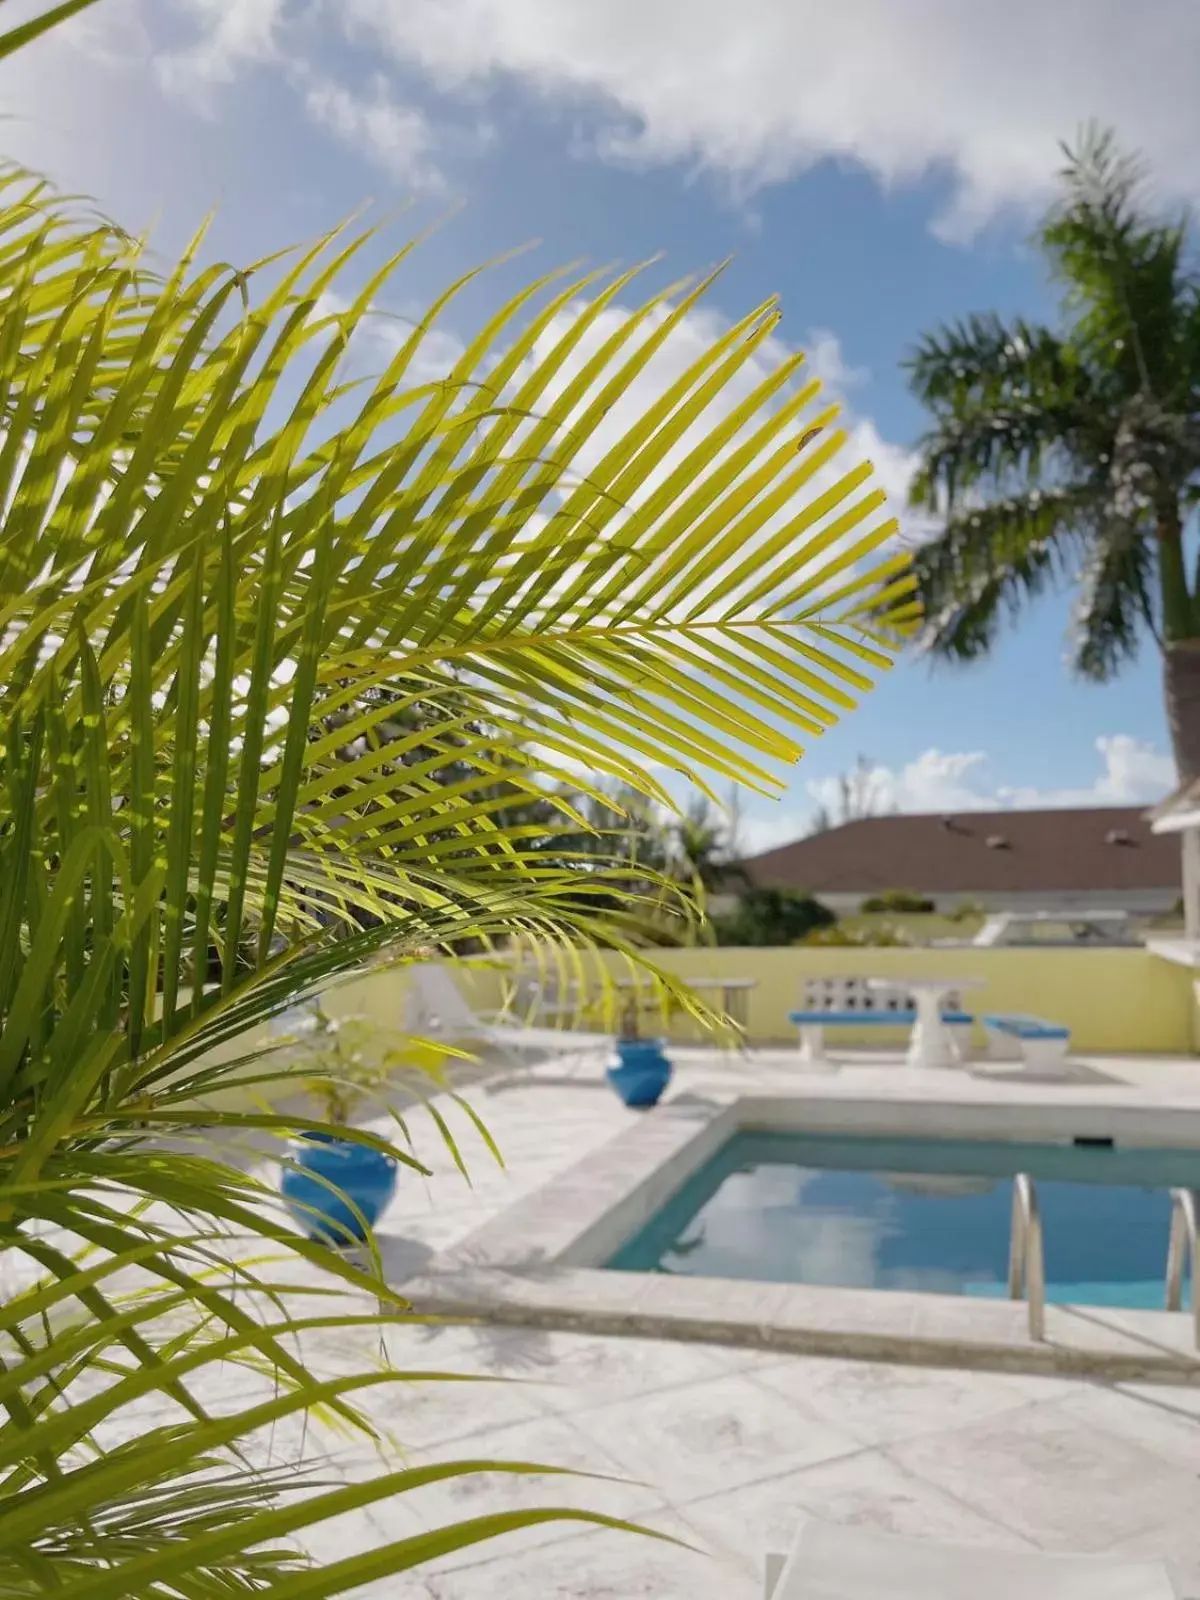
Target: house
x=1177 y=821
x=1101 y=858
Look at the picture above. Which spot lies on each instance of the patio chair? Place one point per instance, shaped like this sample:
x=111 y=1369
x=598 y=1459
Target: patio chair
x=828 y=1562
x=436 y=1008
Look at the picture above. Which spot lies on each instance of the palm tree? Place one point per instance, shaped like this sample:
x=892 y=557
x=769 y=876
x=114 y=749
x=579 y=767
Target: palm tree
x=1074 y=454
x=213 y=551
x=703 y=848
x=859 y=795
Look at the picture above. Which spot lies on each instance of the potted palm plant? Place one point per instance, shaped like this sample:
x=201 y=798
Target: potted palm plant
x=336 y=1181
x=213 y=556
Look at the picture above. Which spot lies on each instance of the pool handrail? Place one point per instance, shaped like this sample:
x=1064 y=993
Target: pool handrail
x=1184 y=1243
x=1027 y=1256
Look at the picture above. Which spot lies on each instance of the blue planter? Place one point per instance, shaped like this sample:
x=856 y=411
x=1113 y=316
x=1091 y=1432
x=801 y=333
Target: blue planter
x=325 y=1173
x=641 y=1072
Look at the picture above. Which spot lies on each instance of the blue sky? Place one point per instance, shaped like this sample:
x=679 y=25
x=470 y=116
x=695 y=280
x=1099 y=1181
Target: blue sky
x=876 y=170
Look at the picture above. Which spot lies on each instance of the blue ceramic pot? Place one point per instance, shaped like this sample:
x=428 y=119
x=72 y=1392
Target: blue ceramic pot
x=640 y=1072
x=325 y=1173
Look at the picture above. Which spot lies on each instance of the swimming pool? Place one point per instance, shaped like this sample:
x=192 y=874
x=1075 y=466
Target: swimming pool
x=923 y=1214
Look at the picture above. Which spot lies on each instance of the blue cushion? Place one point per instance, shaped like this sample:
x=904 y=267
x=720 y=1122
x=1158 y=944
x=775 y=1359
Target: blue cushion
x=1028 y=1027
x=900 y=1019
x=896 y=1018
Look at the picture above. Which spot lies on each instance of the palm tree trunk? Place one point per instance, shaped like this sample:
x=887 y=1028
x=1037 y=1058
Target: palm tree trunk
x=1181 y=649
x=1181 y=686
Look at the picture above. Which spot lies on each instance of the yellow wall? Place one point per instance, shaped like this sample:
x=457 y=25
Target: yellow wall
x=1119 y=1001
x=1116 y=1001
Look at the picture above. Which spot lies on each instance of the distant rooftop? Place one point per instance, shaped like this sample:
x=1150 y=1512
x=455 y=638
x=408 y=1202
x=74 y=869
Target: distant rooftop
x=1097 y=849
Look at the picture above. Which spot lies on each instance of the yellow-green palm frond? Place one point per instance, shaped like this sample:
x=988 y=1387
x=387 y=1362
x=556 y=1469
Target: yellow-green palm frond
x=297 y=672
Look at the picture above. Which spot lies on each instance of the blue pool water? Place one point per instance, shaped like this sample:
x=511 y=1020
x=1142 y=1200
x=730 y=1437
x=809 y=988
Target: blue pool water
x=928 y=1214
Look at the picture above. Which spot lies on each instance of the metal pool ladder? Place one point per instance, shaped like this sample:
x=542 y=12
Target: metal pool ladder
x=1027 y=1256
x=1183 y=1251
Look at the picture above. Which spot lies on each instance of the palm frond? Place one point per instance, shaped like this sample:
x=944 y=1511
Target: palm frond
x=18 y=37
x=1011 y=406
x=1114 y=604
x=1122 y=268
x=988 y=561
x=297 y=675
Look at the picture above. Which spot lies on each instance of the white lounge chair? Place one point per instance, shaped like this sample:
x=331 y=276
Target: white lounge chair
x=828 y=1562
x=436 y=1008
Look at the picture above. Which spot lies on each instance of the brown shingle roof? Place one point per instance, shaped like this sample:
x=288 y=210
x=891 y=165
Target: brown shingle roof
x=1053 y=851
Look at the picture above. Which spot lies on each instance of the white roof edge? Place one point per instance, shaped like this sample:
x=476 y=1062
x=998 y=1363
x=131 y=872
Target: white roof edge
x=1177 y=821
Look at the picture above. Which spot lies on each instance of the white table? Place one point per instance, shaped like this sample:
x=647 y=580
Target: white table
x=734 y=992
x=931 y=1044
x=735 y=996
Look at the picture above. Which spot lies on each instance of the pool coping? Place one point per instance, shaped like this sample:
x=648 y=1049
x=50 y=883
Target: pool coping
x=538 y=1263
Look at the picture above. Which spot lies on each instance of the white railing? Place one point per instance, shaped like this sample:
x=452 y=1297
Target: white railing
x=1027 y=1256
x=1183 y=1253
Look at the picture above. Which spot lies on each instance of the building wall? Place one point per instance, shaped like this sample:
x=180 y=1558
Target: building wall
x=1122 y=1000
x=1145 y=902
x=1119 y=1001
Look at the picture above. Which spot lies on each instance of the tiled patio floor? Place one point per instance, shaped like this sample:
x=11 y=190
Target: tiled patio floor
x=726 y=1449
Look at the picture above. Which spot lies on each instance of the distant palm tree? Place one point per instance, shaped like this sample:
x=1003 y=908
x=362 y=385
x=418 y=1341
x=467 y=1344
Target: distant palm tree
x=1074 y=455
x=702 y=847
x=860 y=794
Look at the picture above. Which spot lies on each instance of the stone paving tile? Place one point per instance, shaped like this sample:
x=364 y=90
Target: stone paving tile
x=502 y=1351
x=1055 y=1479
x=1039 y=1473
x=432 y=1414
x=866 y=1490
x=574 y=1373
x=604 y=1565
x=359 y=1531
x=593 y=1480
x=738 y=1445
x=1185 y=1400
x=879 y=1404
x=710 y=1436
x=1164 y=1420
x=1177 y=1543
x=420 y=1413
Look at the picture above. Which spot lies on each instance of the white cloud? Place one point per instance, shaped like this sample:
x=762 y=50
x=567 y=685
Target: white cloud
x=936 y=780
x=755 y=93
x=229 y=36
x=399 y=138
x=763 y=89
x=767 y=830
x=1132 y=773
x=824 y=358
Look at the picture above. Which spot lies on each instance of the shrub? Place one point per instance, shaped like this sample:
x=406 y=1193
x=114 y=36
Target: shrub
x=966 y=911
x=773 y=917
x=904 y=901
x=886 y=934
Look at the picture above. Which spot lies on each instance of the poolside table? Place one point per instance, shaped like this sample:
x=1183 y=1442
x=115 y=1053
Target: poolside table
x=734 y=992
x=931 y=1044
x=735 y=996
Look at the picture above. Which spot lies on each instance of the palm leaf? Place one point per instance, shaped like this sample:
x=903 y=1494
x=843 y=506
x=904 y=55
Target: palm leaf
x=25 y=33
x=988 y=561
x=297 y=676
